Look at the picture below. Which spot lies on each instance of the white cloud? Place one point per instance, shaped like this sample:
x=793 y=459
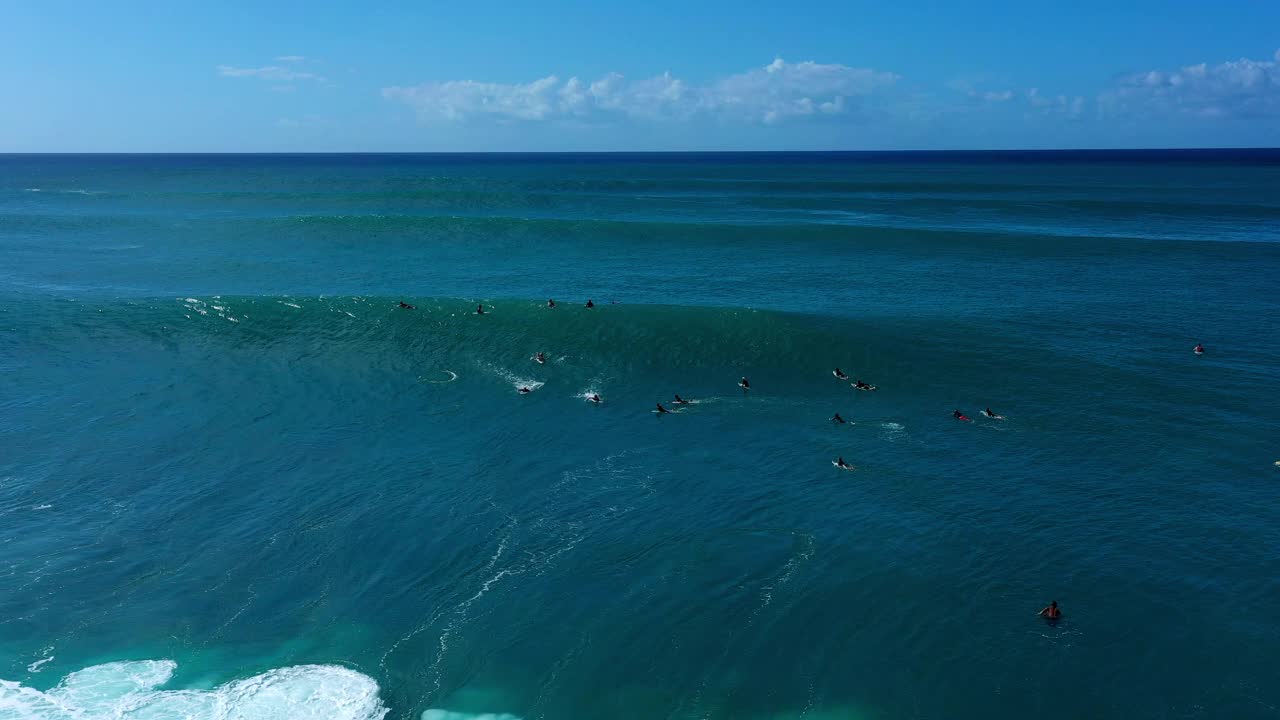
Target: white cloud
x=275 y=73
x=1065 y=104
x=781 y=90
x=770 y=94
x=997 y=96
x=1237 y=88
x=291 y=58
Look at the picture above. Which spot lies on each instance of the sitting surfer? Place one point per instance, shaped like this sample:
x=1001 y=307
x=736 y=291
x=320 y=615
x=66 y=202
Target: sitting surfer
x=595 y=398
x=590 y=304
x=744 y=384
x=840 y=463
x=480 y=309
x=661 y=410
x=837 y=419
x=551 y=303
x=862 y=386
x=540 y=358
x=1051 y=613
x=959 y=416
x=840 y=375
x=1199 y=348
x=406 y=306
x=991 y=414
x=680 y=401
x=524 y=390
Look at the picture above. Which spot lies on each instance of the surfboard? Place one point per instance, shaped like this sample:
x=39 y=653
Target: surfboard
x=839 y=376
x=836 y=465
x=992 y=416
x=869 y=387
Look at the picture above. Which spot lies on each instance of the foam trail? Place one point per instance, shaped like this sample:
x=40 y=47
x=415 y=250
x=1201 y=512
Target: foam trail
x=129 y=689
x=435 y=714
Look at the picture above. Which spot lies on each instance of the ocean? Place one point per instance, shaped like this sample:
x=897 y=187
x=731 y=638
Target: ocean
x=238 y=480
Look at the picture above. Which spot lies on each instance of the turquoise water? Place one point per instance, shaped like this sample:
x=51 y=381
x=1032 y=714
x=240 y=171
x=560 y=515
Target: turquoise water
x=237 y=481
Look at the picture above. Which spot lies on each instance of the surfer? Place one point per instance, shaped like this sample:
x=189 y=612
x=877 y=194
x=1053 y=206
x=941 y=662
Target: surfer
x=863 y=386
x=590 y=304
x=680 y=401
x=840 y=463
x=551 y=303
x=959 y=416
x=1199 y=349
x=406 y=306
x=540 y=358
x=480 y=309
x=524 y=390
x=594 y=398
x=744 y=384
x=992 y=415
x=837 y=419
x=840 y=375
x=661 y=410
x=1051 y=613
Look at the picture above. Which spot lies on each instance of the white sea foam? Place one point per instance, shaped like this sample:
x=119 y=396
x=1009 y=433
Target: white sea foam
x=436 y=714
x=129 y=689
x=35 y=666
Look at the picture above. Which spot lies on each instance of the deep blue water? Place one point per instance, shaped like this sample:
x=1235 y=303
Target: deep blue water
x=236 y=480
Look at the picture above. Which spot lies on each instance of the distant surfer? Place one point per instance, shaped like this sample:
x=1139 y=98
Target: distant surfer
x=837 y=419
x=680 y=401
x=744 y=384
x=840 y=463
x=1051 y=613
x=858 y=384
x=992 y=415
x=595 y=398
x=839 y=374
x=540 y=358
x=524 y=390
x=1199 y=349
x=590 y=304
x=661 y=410
x=960 y=416
x=551 y=303
x=406 y=306
x=480 y=309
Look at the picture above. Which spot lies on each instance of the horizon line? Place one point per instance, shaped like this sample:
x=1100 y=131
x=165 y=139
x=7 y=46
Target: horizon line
x=651 y=152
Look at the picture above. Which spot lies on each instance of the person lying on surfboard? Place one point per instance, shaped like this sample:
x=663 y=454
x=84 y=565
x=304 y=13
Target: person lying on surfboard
x=840 y=463
x=680 y=401
x=837 y=419
x=661 y=410
x=863 y=386
x=1199 y=348
x=594 y=398
x=406 y=306
x=540 y=358
x=744 y=384
x=840 y=375
x=524 y=390
x=959 y=416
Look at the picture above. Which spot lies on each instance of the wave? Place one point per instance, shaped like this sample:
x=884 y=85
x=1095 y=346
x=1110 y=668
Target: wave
x=891 y=226
x=131 y=689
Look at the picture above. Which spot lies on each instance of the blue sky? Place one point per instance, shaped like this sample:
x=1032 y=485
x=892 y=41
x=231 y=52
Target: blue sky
x=442 y=76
